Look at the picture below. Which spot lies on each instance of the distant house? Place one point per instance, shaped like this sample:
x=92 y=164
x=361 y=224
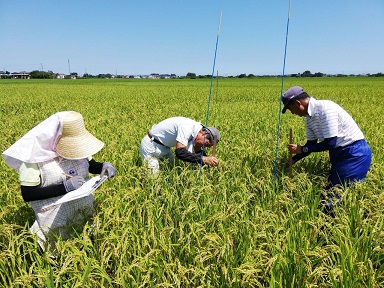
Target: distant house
x=20 y=75
x=60 y=76
x=70 y=76
x=4 y=74
x=154 y=76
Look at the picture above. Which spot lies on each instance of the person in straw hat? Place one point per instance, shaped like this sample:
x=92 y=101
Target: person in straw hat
x=54 y=158
x=189 y=138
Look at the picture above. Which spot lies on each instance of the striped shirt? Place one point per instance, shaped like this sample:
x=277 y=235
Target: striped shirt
x=326 y=119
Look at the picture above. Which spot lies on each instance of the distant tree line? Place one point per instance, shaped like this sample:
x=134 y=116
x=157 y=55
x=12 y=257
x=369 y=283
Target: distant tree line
x=36 y=74
x=306 y=73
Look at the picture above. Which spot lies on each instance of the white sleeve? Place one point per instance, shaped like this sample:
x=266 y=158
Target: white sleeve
x=29 y=174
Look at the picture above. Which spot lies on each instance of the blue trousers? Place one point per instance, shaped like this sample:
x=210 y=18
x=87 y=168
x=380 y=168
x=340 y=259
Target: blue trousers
x=350 y=163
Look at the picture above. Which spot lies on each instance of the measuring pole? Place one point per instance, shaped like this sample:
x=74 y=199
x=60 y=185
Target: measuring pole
x=213 y=70
x=281 y=93
x=290 y=160
x=210 y=90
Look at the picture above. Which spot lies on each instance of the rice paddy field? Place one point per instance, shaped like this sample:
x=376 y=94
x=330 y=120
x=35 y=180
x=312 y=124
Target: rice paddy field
x=230 y=226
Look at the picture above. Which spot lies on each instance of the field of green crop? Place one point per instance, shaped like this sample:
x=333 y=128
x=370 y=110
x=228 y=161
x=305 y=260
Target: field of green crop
x=225 y=227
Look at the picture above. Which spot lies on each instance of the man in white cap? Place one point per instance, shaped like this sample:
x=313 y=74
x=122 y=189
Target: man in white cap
x=349 y=153
x=188 y=137
x=52 y=159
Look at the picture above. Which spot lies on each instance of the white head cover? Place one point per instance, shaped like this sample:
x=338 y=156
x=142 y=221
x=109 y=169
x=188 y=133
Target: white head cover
x=38 y=144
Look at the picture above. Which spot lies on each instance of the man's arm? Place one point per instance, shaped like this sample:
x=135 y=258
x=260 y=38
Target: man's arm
x=183 y=154
x=312 y=146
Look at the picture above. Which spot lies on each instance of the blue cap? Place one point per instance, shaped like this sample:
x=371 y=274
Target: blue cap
x=212 y=131
x=290 y=95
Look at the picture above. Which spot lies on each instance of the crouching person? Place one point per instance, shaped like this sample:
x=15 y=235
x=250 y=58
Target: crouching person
x=330 y=128
x=188 y=137
x=52 y=159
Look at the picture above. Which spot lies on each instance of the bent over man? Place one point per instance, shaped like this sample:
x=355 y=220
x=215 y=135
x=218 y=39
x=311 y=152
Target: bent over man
x=349 y=153
x=189 y=137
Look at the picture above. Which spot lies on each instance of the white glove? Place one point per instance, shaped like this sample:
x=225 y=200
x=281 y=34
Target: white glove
x=73 y=183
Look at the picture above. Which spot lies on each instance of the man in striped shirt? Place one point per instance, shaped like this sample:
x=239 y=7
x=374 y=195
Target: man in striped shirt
x=349 y=153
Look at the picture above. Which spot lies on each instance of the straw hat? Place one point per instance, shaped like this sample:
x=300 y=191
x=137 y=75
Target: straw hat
x=76 y=142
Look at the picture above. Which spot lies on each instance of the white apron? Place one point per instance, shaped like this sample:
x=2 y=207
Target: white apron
x=52 y=219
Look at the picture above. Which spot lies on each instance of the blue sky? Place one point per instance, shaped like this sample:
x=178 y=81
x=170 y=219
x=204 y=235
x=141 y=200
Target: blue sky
x=179 y=36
